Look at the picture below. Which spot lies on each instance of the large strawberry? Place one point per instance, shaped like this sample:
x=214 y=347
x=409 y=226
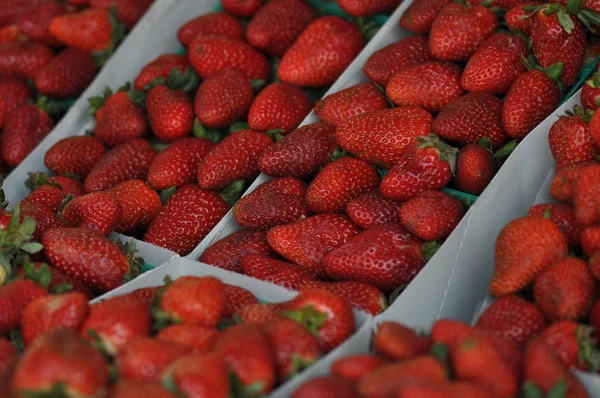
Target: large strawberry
x=67 y=75
x=341 y=106
x=47 y=195
x=398 y=342
x=280 y=106
x=571 y=140
x=74 y=155
x=145 y=359
x=192 y=373
x=321 y=53
x=290 y=276
x=139 y=204
x=419 y=16
x=572 y=343
x=160 y=68
x=236 y=298
x=564 y=216
x=380 y=137
x=91 y=30
x=200 y=337
x=98 y=211
x=119 y=119
x=128 y=11
x=35 y=21
x=24 y=59
x=474 y=168
x=229 y=252
x=363 y=8
x=13 y=92
x=517 y=18
x=14 y=298
x=171 y=113
x=24 y=128
x=362 y=296
x=214 y=23
x=370 y=209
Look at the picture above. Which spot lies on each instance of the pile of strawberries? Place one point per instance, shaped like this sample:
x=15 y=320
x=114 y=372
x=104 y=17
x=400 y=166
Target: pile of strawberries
x=50 y=52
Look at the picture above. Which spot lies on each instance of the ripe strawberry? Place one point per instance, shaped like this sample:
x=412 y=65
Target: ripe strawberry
x=41 y=370
x=585 y=196
x=301 y=153
x=343 y=105
x=9 y=34
x=564 y=217
x=201 y=338
x=120 y=120
x=98 y=211
x=8 y=357
x=513 y=318
x=260 y=313
x=275 y=202
x=128 y=161
x=211 y=54
x=130 y=389
x=563 y=183
x=74 y=155
x=571 y=141
x=354 y=367
x=14 y=298
x=234 y=158
x=321 y=53
x=326 y=386
x=198 y=376
x=590 y=93
x=590 y=243
x=364 y=8
x=361 y=296
x=279 y=106
x=48 y=313
x=89 y=30
x=458 y=31
x=178 y=164
x=128 y=11
x=385 y=256
x=516 y=18
x=419 y=16
x=340 y=182
x=241 y=8
x=572 y=343
x=223 y=98
x=75 y=251
x=307 y=241
x=398 y=342
x=49 y=196
x=145 y=359
x=532 y=97
x=147 y=294
x=380 y=137
x=214 y=23
x=66 y=75
x=187 y=217
x=427 y=163
x=229 y=252
x=24 y=128
x=160 y=67
x=237 y=298
x=170 y=112
x=44 y=217
x=371 y=209
x=418 y=85
x=277 y=25
x=280 y=273
x=139 y=204
x=474 y=169
x=13 y=92
x=24 y=59
x=537 y=240
x=69 y=185
x=58 y=279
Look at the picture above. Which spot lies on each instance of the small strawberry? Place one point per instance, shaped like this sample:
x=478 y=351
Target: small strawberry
x=170 y=112
x=572 y=343
x=563 y=183
x=98 y=211
x=260 y=313
x=9 y=34
x=571 y=141
x=128 y=11
x=229 y=252
x=474 y=169
x=139 y=204
x=321 y=53
x=90 y=30
x=74 y=155
x=45 y=218
x=419 y=16
x=147 y=294
x=364 y=8
x=242 y=8
x=198 y=376
x=280 y=106
x=119 y=120
x=516 y=18
x=67 y=75
x=49 y=196
x=13 y=92
x=371 y=209
x=343 y=105
x=354 y=367
x=160 y=68
x=14 y=298
x=236 y=298
x=200 y=337
x=361 y=296
x=326 y=386
x=585 y=198
x=130 y=389
x=145 y=359
x=69 y=185
x=24 y=128
x=280 y=273
x=214 y=23
x=24 y=59
x=398 y=342
x=590 y=93
x=564 y=217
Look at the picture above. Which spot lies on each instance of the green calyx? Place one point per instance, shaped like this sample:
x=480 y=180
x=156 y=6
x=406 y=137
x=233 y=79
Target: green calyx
x=429 y=249
x=308 y=317
x=53 y=107
x=42 y=275
x=299 y=363
x=233 y=192
x=200 y=131
x=135 y=263
x=505 y=151
x=3 y=201
x=239 y=389
x=594 y=81
x=588 y=353
x=446 y=152
x=166 y=194
x=58 y=390
x=238 y=126
x=579 y=112
x=187 y=81
x=117 y=34
x=38 y=179
x=558 y=390
x=98 y=102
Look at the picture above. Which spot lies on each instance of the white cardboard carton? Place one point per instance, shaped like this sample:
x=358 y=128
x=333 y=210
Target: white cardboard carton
x=153 y=256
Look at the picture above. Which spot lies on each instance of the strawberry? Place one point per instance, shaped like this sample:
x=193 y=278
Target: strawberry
x=139 y=204
x=75 y=251
x=572 y=343
x=45 y=218
x=307 y=241
x=590 y=93
x=214 y=23
x=371 y=209
x=513 y=318
x=14 y=298
x=419 y=16
x=98 y=211
x=144 y=360
x=427 y=163
x=24 y=128
x=13 y=92
x=237 y=298
x=469 y=118
x=9 y=34
x=594 y=125
x=280 y=106
x=159 y=68
x=516 y=18
x=70 y=185
x=147 y=294
x=119 y=120
x=354 y=367
x=8 y=356
x=275 y=202
x=241 y=8
x=326 y=386
x=564 y=217
x=380 y=137
x=585 y=196
x=128 y=161
x=431 y=215
x=41 y=370
x=58 y=279
x=198 y=376
x=474 y=169
x=340 y=182
x=130 y=389
x=49 y=196
x=277 y=25
x=571 y=141
x=223 y=98
x=524 y=248
x=24 y=59
x=229 y=252
x=66 y=75
x=301 y=153
x=326 y=315
x=90 y=30
x=397 y=342
x=458 y=30
x=170 y=112
x=418 y=85
x=177 y=165
x=343 y=105
x=280 y=273
x=211 y=54
x=363 y=8
x=321 y=53
x=201 y=338
x=590 y=242
x=385 y=256
x=563 y=183
x=187 y=217
x=234 y=158
x=260 y=313
x=48 y=313
x=443 y=390
x=361 y=296
x=531 y=98
x=74 y=155
x=128 y=11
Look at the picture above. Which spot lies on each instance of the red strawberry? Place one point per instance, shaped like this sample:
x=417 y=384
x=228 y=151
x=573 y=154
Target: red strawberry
x=234 y=158
x=586 y=196
x=571 y=141
x=326 y=386
x=98 y=211
x=198 y=376
x=147 y=294
x=419 y=16
x=128 y=161
x=280 y=273
x=564 y=217
x=214 y=23
x=261 y=313
x=9 y=34
x=89 y=30
x=139 y=204
x=76 y=251
x=590 y=240
x=201 y=338
x=361 y=296
x=398 y=342
x=572 y=343
x=363 y=8
x=39 y=271
x=24 y=59
x=443 y=390
x=44 y=217
x=275 y=202
x=14 y=298
x=67 y=75
x=145 y=359
x=130 y=389
x=211 y=54
x=70 y=186
x=371 y=209
x=24 y=128
x=380 y=137
x=563 y=183
x=171 y=113
x=237 y=298
x=340 y=182
x=223 y=98
x=277 y=25
x=120 y=120
x=160 y=67
x=178 y=164
x=13 y=92
x=594 y=125
x=307 y=241
x=427 y=163
x=524 y=248
x=590 y=93
x=187 y=217
x=49 y=196
x=419 y=85
x=354 y=367
x=512 y=318
x=128 y=11
x=301 y=153
x=385 y=256
x=8 y=357
x=241 y=8
x=474 y=169
x=458 y=31
x=279 y=106
x=321 y=53
x=516 y=18
x=343 y=105
x=469 y=118
x=53 y=312
x=229 y=252
x=74 y=155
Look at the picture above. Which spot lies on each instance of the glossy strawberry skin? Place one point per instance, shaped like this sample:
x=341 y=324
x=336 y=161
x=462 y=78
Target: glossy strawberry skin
x=328 y=386
x=214 y=23
x=206 y=373
x=229 y=252
x=568 y=339
x=44 y=217
x=160 y=67
x=120 y=120
x=88 y=30
x=564 y=217
x=236 y=298
x=419 y=16
x=371 y=209
x=585 y=199
x=70 y=185
x=199 y=337
x=343 y=105
x=398 y=342
x=74 y=155
x=363 y=8
x=24 y=128
x=98 y=211
x=171 y=113
x=242 y=8
x=571 y=142
x=362 y=296
x=516 y=22
x=13 y=92
x=15 y=297
x=194 y=300
x=474 y=169
x=590 y=240
x=35 y=22
x=67 y=75
x=354 y=367
x=145 y=359
x=139 y=204
x=279 y=106
x=563 y=183
x=46 y=195
x=24 y=59
x=274 y=271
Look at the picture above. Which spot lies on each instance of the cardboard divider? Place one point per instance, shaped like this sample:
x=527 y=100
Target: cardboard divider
x=153 y=256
